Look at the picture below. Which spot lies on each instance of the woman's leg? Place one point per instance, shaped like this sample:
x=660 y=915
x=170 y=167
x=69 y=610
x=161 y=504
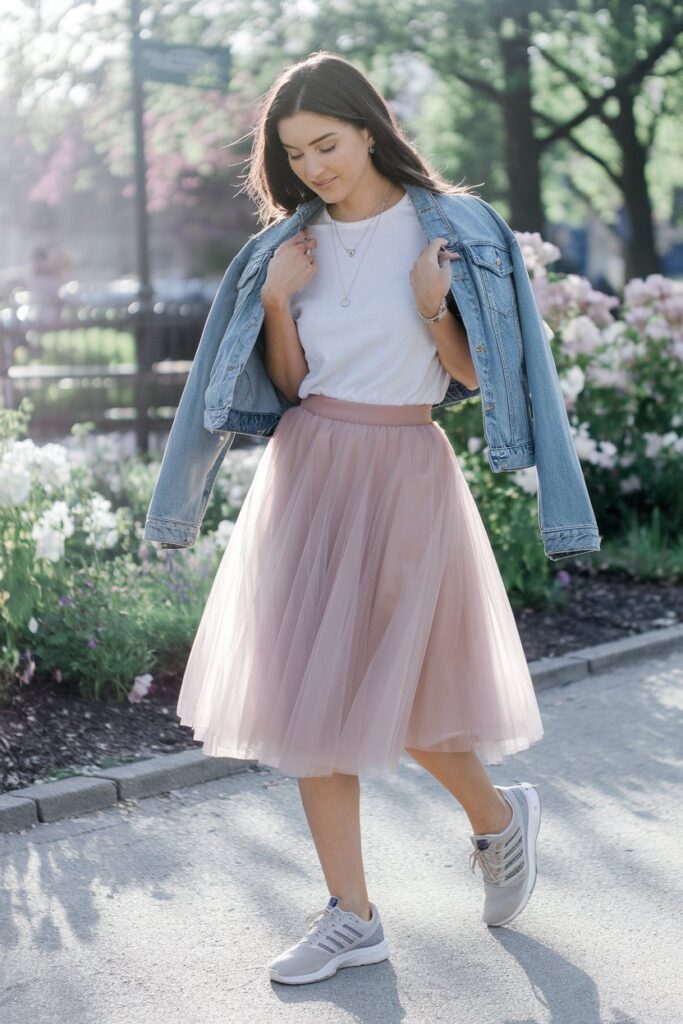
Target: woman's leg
x=463 y=774
x=332 y=807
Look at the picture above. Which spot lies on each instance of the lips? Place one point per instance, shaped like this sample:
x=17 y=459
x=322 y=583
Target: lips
x=323 y=184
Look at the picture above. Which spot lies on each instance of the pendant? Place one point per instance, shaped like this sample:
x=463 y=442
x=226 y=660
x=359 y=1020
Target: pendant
x=351 y=252
x=346 y=301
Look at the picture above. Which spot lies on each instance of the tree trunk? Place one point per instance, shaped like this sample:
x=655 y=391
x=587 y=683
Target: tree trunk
x=640 y=254
x=521 y=149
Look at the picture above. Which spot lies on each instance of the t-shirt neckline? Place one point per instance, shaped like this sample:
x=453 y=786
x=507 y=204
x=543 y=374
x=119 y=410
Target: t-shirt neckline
x=353 y=223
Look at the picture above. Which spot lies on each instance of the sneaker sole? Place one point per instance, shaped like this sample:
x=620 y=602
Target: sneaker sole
x=534 y=803
x=352 y=958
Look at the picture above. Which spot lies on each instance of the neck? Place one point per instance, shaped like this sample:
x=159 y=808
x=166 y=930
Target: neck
x=365 y=201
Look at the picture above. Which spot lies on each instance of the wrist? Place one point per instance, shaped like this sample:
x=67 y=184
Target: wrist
x=435 y=314
x=273 y=300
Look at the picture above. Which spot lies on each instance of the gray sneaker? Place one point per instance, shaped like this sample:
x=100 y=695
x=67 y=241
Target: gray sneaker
x=335 y=938
x=508 y=859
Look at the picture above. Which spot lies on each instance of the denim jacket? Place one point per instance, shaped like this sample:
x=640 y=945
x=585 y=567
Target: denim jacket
x=524 y=417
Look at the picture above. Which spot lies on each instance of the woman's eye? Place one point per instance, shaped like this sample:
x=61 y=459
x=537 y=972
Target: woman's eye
x=322 y=151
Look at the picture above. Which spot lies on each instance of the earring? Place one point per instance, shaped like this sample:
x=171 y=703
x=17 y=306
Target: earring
x=372 y=149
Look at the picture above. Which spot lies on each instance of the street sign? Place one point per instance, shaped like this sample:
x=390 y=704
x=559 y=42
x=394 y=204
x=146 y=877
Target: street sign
x=204 y=67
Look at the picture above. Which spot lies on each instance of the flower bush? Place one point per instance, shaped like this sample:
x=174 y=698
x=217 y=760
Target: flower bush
x=620 y=365
x=84 y=600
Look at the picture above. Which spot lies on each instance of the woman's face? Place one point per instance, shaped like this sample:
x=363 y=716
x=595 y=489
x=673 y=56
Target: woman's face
x=328 y=155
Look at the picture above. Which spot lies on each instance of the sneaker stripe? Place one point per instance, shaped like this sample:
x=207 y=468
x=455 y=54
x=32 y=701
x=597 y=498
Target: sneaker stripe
x=515 y=833
x=515 y=871
x=511 y=861
x=508 y=853
x=353 y=931
x=343 y=936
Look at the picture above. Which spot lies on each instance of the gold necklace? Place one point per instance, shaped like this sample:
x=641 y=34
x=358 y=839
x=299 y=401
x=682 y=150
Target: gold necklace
x=346 y=300
x=351 y=252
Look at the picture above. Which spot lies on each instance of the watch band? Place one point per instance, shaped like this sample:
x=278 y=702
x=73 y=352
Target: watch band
x=439 y=315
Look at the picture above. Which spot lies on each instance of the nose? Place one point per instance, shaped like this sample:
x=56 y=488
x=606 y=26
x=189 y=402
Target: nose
x=316 y=172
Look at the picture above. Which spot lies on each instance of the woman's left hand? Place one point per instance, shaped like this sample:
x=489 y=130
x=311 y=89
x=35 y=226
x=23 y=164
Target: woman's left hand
x=430 y=278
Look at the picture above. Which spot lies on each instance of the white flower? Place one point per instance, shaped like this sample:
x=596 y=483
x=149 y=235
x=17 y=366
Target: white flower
x=100 y=523
x=140 y=688
x=536 y=252
x=581 y=335
x=15 y=482
x=526 y=478
x=52 y=465
x=600 y=453
x=629 y=484
x=657 y=329
x=655 y=442
x=605 y=376
x=51 y=529
x=49 y=542
x=33 y=625
x=474 y=444
x=572 y=382
x=613 y=332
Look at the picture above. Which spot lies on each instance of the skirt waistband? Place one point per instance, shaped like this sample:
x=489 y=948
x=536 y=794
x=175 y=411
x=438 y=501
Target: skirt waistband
x=366 y=412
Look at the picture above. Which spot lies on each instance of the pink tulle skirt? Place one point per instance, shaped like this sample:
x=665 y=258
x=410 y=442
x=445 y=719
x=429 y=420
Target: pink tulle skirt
x=358 y=608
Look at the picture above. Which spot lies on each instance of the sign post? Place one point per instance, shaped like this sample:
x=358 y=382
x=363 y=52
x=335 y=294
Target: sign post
x=201 y=67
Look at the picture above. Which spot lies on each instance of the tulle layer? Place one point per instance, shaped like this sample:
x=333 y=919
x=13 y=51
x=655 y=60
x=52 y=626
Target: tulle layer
x=358 y=608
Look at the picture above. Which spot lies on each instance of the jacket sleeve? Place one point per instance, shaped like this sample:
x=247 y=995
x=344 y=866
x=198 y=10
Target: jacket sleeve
x=193 y=455
x=565 y=515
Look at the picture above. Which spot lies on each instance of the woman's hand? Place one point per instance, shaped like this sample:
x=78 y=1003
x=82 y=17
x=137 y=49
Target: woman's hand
x=289 y=269
x=431 y=279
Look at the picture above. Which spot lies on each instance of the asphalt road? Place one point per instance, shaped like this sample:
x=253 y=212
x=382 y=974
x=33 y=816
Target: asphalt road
x=167 y=911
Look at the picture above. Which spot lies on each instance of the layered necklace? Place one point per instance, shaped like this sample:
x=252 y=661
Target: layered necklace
x=351 y=251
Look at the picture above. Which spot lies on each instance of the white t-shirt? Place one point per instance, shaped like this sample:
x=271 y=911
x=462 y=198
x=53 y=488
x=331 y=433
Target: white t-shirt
x=376 y=349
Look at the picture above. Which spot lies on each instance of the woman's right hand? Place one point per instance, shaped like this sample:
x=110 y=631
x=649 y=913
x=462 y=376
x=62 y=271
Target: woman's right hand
x=289 y=268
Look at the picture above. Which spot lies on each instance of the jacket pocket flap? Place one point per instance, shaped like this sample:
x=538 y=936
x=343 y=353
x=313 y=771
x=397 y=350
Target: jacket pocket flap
x=492 y=256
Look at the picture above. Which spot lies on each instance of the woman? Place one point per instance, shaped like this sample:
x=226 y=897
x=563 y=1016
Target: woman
x=358 y=610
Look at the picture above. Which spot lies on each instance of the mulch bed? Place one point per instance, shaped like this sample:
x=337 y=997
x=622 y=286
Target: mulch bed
x=48 y=732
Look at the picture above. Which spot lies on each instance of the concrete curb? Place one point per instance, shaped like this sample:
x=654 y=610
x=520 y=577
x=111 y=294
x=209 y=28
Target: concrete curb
x=97 y=788
x=590 y=661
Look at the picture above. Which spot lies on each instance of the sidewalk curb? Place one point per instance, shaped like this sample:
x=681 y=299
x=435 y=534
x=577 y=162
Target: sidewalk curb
x=93 y=789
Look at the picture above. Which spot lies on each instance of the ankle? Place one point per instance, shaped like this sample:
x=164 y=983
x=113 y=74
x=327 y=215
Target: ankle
x=357 y=906
x=492 y=826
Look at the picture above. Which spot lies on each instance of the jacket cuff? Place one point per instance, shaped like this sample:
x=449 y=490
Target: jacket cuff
x=169 y=533
x=562 y=543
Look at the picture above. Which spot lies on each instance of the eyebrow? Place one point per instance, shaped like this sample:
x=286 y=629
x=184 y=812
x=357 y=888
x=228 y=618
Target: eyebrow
x=313 y=141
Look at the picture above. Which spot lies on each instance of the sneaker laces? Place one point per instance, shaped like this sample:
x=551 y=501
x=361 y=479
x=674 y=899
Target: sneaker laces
x=324 y=919
x=490 y=859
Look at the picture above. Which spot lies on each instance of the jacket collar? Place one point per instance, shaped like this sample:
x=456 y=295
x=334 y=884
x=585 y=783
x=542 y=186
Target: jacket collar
x=430 y=208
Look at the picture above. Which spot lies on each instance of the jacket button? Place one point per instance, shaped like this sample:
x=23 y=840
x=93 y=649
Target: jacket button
x=498 y=261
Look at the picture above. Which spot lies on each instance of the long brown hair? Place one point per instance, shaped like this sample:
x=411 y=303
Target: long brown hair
x=325 y=83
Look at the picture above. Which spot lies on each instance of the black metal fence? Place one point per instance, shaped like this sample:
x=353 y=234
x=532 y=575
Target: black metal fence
x=121 y=368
